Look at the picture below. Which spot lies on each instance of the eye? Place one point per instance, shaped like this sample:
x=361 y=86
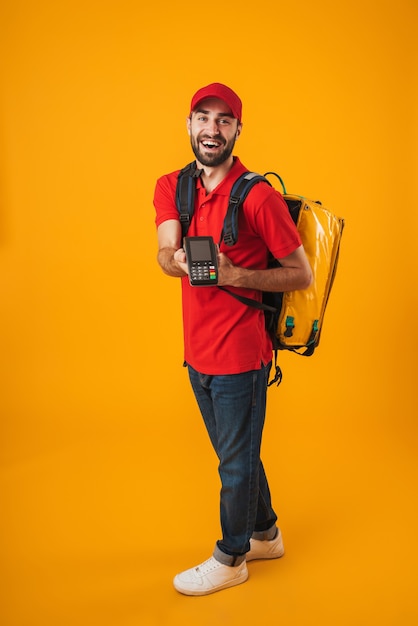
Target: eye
x=224 y=121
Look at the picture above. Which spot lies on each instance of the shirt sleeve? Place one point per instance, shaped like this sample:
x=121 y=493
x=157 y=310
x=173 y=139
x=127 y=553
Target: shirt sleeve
x=164 y=199
x=273 y=222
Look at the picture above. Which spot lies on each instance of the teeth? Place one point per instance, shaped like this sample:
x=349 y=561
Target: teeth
x=210 y=144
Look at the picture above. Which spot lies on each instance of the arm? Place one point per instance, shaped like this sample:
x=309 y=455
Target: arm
x=171 y=257
x=294 y=274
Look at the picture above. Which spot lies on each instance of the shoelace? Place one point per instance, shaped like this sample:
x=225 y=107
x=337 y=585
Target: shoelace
x=208 y=566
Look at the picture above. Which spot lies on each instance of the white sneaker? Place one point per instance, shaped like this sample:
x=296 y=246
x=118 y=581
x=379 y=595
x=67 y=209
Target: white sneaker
x=209 y=577
x=267 y=549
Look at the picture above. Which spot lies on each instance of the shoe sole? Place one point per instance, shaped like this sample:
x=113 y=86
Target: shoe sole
x=195 y=592
x=269 y=557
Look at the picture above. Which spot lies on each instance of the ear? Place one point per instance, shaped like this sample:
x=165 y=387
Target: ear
x=189 y=123
x=239 y=128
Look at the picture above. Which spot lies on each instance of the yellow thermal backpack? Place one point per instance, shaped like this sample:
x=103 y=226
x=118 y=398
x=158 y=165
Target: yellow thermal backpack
x=294 y=318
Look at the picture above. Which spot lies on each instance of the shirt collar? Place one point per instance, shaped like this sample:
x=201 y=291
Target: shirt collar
x=224 y=187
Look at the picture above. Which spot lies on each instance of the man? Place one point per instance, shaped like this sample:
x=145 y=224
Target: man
x=227 y=349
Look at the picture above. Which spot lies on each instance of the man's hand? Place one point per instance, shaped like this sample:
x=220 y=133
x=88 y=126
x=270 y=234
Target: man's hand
x=227 y=272
x=180 y=259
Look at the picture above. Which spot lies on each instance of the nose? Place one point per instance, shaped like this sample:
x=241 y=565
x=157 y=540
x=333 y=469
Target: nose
x=212 y=127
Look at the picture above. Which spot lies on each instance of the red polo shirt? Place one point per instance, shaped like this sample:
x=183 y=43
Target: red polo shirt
x=222 y=335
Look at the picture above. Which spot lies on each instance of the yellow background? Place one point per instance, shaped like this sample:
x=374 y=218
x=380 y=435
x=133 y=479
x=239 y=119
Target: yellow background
x=108 y=483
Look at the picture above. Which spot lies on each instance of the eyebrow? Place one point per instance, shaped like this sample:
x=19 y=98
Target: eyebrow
x=206 y=111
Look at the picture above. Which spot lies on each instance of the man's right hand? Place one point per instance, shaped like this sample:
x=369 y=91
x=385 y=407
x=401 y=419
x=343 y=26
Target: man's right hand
x=180 y=259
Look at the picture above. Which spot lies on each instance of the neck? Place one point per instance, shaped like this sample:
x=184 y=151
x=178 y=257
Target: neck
x=212 y=176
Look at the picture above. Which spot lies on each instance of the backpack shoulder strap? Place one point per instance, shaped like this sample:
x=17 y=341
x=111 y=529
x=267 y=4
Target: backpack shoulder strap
x=239 y=192
x=185 y=194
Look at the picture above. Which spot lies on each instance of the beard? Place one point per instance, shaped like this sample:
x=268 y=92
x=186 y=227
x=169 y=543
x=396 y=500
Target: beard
x=212 y=160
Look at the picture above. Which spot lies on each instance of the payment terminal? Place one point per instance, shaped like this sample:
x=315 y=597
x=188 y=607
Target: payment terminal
x=202 y=260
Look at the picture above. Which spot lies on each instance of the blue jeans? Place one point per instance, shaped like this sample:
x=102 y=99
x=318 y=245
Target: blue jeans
x=233 y=408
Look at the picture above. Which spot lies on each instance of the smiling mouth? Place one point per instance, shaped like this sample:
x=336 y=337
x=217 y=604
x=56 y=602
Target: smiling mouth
x=211 y=145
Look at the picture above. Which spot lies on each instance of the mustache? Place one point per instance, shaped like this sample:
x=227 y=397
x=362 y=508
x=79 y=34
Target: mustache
x=217 y=137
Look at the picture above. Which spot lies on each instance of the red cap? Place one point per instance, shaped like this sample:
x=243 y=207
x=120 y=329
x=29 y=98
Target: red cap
x=222 y=92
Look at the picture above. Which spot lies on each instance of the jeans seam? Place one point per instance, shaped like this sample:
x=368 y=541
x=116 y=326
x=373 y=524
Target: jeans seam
x=253 y=503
